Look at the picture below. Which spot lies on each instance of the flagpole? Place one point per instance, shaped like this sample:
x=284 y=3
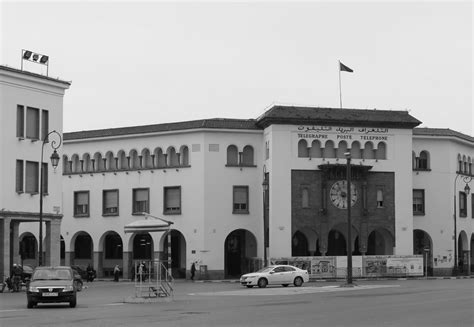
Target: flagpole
x=340 y=92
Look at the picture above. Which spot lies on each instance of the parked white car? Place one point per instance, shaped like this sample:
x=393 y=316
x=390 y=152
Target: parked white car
x=275 y=275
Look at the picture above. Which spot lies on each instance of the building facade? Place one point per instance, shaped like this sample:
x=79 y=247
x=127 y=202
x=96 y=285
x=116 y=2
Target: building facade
x=31 y=107
x=238 y=191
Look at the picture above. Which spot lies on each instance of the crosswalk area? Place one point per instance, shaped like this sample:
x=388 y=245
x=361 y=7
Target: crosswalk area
x=276 y=291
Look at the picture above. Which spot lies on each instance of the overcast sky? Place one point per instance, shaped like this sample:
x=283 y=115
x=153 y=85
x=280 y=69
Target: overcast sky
x=150 y=62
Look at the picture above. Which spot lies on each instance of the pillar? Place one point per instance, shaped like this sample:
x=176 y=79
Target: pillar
x=126 y=268
x=15 y=241
x=5 y=247
x=96 y=263
x=53 y=242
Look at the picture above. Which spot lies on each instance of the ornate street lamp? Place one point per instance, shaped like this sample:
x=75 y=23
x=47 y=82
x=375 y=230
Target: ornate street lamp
x=54 y=162
x=265 y=186
x=349 y=222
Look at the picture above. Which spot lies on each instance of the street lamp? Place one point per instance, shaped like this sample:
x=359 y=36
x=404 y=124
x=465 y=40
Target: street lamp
x=467 y=189
x=265 y=186
x=349 y=223
x=54 y=162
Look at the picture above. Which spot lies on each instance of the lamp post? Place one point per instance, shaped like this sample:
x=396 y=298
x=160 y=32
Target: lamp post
x=54 y=162
x=349 y=222
x=265 y=185
x=467 y=189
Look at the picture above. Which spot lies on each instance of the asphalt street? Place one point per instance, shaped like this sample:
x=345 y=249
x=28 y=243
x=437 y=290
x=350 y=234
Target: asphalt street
x=371 y=303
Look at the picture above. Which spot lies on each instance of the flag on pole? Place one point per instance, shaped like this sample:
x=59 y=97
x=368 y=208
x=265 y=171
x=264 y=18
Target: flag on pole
x=344 y=68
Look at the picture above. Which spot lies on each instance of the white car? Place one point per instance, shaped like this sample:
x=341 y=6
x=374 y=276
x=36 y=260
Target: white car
x=275 y=275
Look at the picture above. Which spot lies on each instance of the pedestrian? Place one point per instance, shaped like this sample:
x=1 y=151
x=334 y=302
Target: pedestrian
x=116 y=273
x=16 y=277
x=90 y=273
x=193 y=270
x=141 y=266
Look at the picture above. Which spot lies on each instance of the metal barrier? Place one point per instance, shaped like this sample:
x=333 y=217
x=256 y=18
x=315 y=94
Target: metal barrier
x=152 y=279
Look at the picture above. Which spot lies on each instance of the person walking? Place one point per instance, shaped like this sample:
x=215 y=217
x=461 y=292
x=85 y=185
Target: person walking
x=116 y=273
x=193 y=270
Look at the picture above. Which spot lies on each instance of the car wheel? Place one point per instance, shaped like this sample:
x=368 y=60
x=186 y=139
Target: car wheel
x=73 y=303
x=249 y=286
x=262 y=283
x=30 y=304
x=298 y=281
x=79 y=286
x=285 y=285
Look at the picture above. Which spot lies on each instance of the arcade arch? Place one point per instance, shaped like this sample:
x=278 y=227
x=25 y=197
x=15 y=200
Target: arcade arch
x=240 y=245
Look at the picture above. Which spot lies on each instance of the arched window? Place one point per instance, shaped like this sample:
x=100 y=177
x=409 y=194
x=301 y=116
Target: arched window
x=329 y=151
x=368 y=152
x=97 y=164
x=247 y=157
x=66 y=168
x=302 y=149
x=134 y=160
x=423 y=160
x=341 y=149
x=86 y=163
x=146 y=160
x=459 y=163
x=470 y=166
x=315 y=150
x=172 y=157
x=305 y=198
x=381 y=152
x=122 y=160
x=76 y=164
x=464 y=161
x=232 y=155
x=110 y=161
x=355 y=150
x=160 y=158
x=184 y=155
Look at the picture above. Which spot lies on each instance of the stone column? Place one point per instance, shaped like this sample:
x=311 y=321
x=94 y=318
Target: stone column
x=53 y=242
x=67 y=258
x=15 y=242
x=5 y=247
x=96 y=263
x=126 y=268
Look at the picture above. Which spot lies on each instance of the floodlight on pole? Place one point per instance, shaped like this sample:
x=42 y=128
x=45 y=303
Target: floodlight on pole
x=36 y=58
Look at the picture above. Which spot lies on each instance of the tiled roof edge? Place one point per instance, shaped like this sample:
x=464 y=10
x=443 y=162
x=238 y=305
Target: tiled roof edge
x=441 y=132
x=213 y=123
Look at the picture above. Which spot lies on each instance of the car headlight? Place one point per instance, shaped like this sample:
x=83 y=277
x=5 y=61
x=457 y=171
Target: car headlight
x=69 y=288
x=33 y=289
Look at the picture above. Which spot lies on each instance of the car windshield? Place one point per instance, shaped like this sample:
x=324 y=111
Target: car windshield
x=266 y=269
x=52 y=274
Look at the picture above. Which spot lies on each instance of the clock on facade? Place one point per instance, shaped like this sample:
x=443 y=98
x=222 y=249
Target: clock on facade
x=338 y=194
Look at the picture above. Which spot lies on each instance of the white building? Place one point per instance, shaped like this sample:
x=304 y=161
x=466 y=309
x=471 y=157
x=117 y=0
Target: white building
x=31 y=107
x=206 y=177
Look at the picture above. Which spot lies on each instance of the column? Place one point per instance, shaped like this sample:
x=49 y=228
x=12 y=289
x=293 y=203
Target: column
x=126 y=268
x=15 y=242
x=96 y=263
x=5 y=247
x=53 y=242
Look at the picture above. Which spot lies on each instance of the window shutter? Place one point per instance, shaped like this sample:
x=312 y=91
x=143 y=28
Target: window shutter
x=32 y=183
x=111 y=199
x=45 y=178
x=173 y=198
x=82 y=198
x=240 y=195
x=141 y=195
x=44 y=123
x=20 y=121
x=19 y=176
x=32 y=123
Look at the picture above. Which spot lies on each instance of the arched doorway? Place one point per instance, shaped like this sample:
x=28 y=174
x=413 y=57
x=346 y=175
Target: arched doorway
x=83 y=248
x=463 y=253
x=142 y=247
x=336 y=243
x=299 y=245
x=422 y=241
x=380 y=242
x=178 y=253
x=111 y=246
x=28 y=249
x=239 y=246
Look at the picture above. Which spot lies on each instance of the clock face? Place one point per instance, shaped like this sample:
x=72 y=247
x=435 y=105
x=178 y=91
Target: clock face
x=338 y=194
